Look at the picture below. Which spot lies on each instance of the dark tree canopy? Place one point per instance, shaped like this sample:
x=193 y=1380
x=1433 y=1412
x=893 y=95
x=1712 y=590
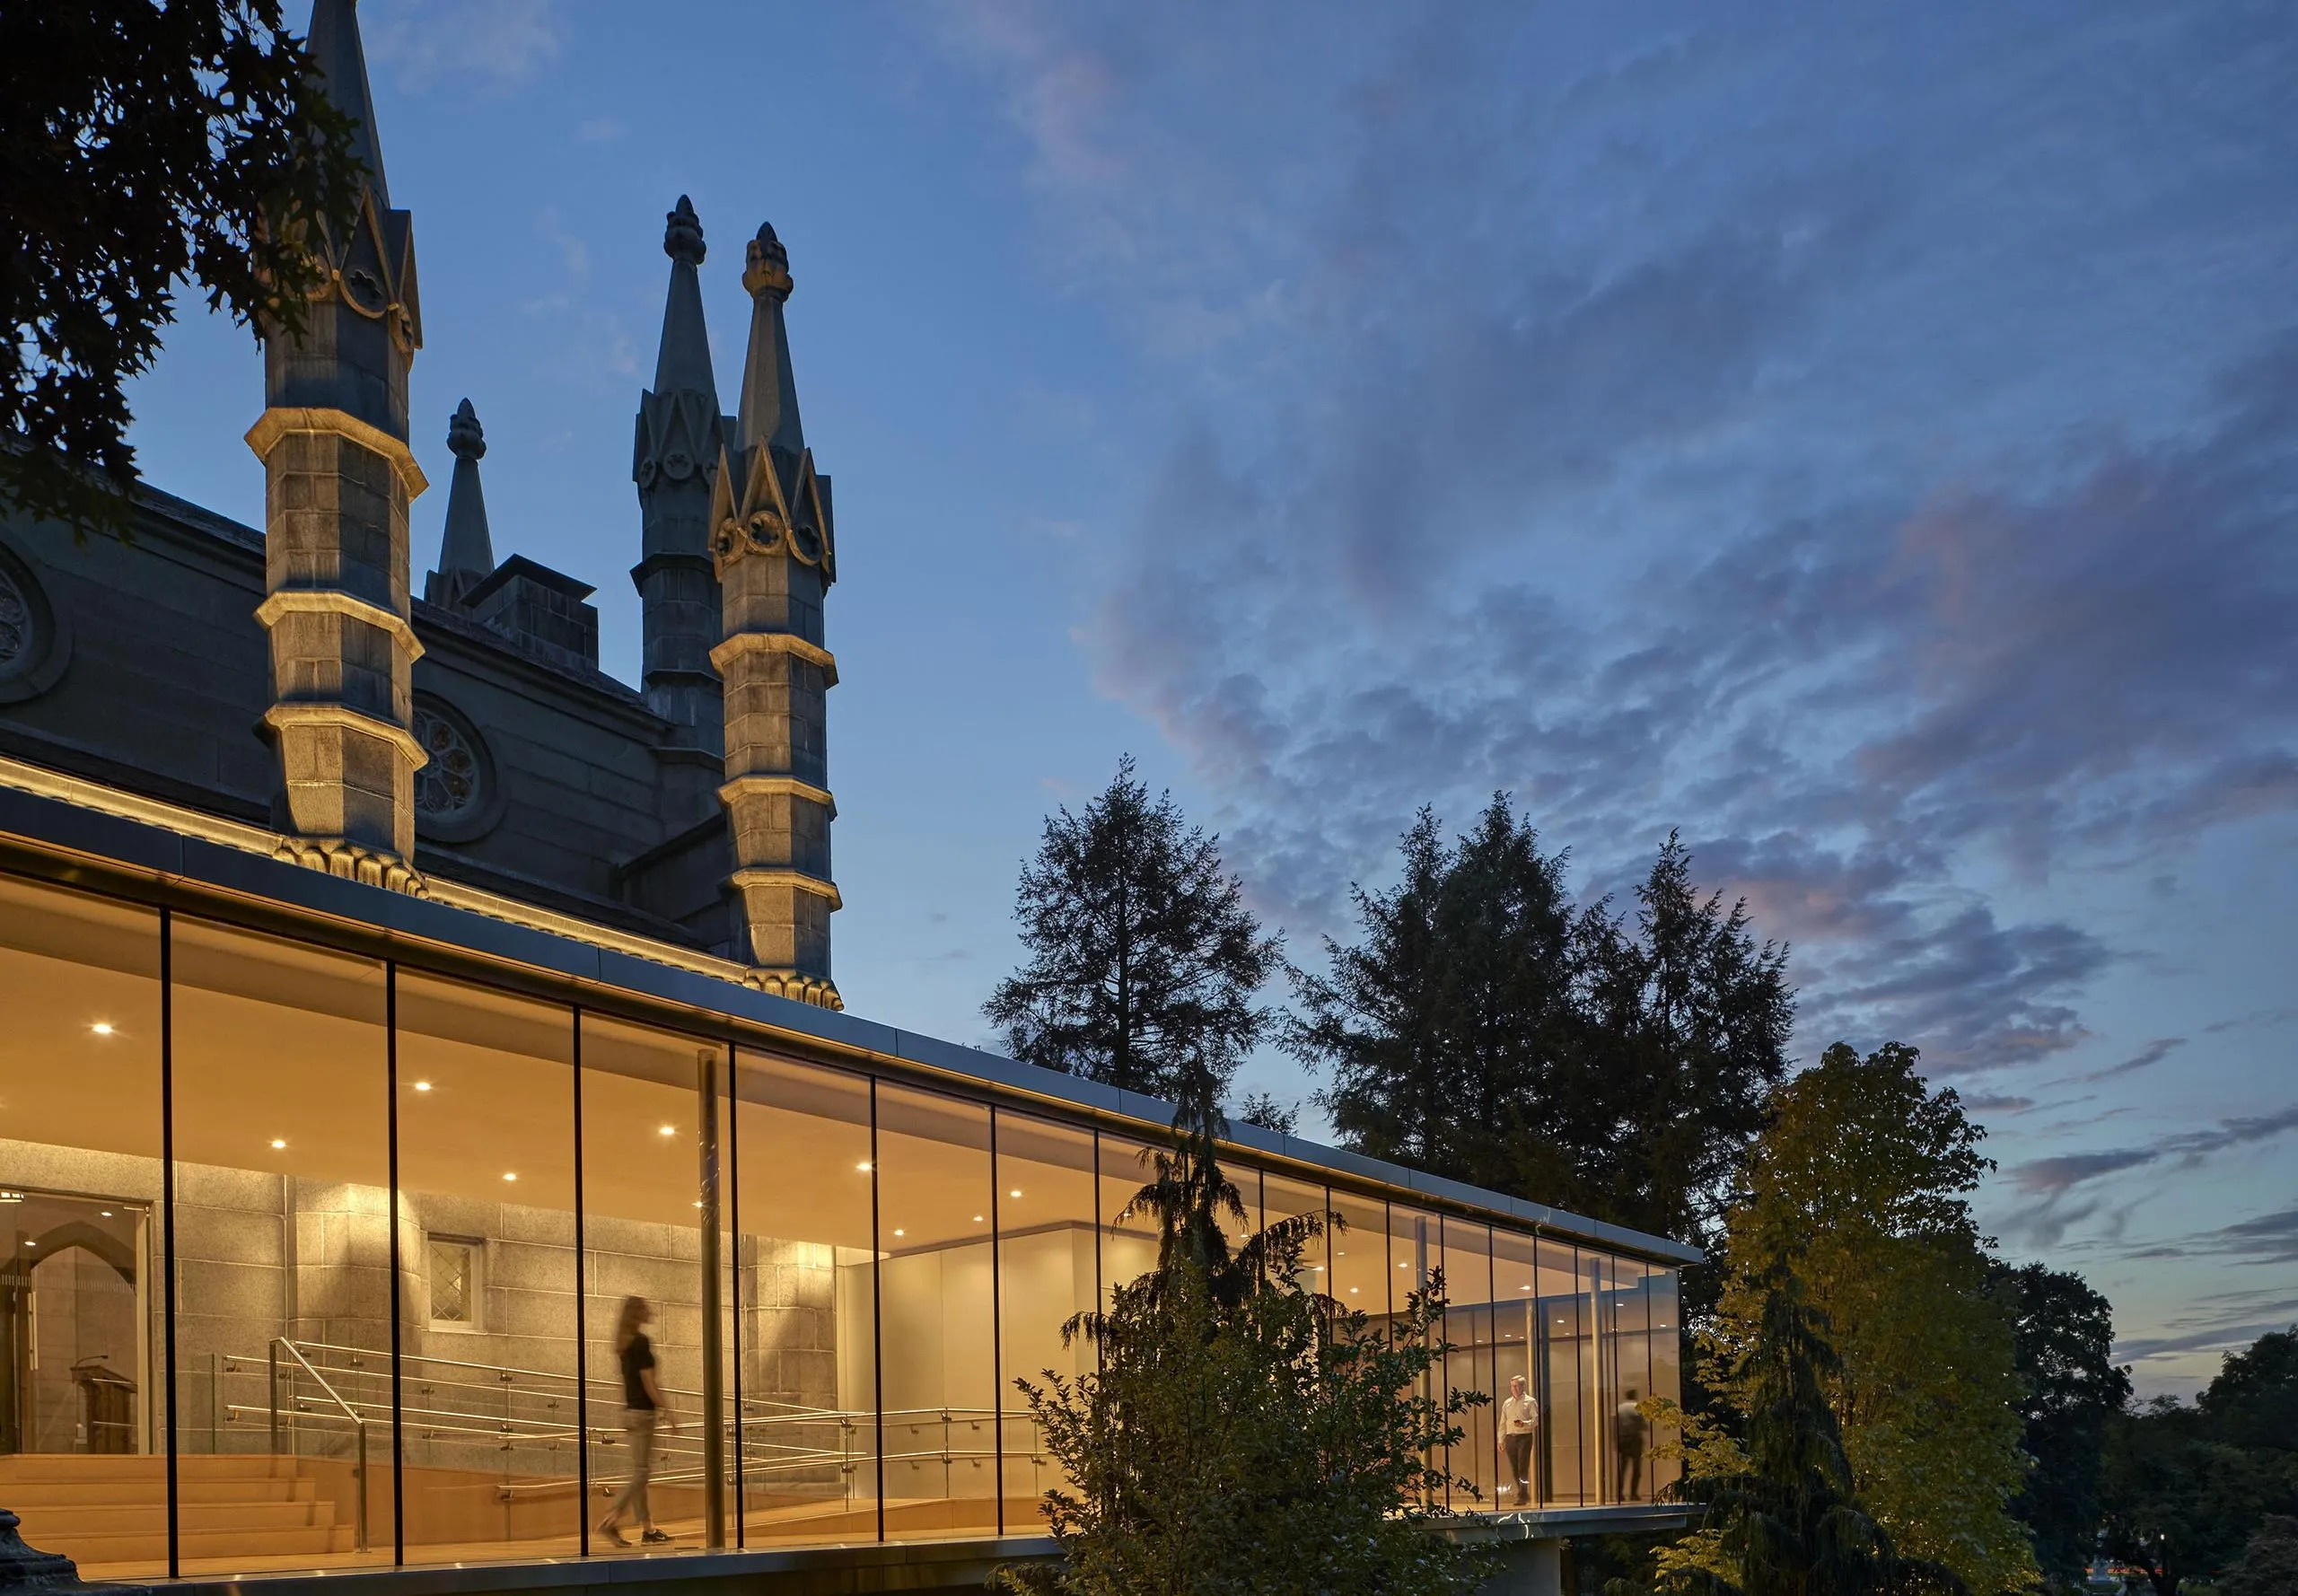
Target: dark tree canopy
x=1143 y=960
x=1485 y=1029
x=2062 y=1335
x=144 y=144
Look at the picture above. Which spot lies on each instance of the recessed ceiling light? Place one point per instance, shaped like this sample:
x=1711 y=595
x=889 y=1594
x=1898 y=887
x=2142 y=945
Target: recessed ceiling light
x=510 y=1174
x=863 y=1166
x=977 y=1219
x=11 y=1197
x=1316 y=1268
x=670 y=1130
x=32 y=1243
x=1404 y=1266
x=902 y=1233
x=1016 y=1192
x=423 y=1086
x=278 y=1143
x=1352 y=1289
x=106 y=1213
x=102 y=1028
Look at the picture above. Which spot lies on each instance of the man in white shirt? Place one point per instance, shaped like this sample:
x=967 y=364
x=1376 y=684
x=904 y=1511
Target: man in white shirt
x=1520 y=1425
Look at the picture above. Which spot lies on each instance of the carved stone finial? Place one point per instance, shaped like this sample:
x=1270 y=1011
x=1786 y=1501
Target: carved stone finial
x=465 y=439
x=682 y=233
x=766 y=264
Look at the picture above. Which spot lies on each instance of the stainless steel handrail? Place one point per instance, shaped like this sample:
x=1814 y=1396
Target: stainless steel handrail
x=358 y=1424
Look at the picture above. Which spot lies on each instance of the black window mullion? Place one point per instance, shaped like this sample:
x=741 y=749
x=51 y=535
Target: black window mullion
x=390 y=1134
x=582 y=1326
x=877 y=1321
x=168 y=1216
x=997 y=1325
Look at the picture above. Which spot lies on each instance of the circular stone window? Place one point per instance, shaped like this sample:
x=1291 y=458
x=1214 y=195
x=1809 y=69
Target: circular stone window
x=34 y=643
x=455 y=796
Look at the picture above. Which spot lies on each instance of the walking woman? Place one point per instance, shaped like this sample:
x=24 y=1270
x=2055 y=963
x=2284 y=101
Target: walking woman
x=643 y=1409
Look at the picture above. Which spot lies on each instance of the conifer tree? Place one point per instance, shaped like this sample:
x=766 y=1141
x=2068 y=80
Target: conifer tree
x=1241 y=1433
x=1782 y=1513
x=1144 y=960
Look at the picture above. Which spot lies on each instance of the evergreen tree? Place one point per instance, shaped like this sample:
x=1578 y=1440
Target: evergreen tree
x=1858 y=1187
x=1143 y=960
x=145 y=145
x=2269 y=1566
x=1783 y=1514
x=1484 y=1030
x=2063 y=1335
x=1243 y=1434
x=1687 y=1020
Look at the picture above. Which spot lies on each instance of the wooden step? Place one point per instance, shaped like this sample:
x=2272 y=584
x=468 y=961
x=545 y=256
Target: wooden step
x=76 y=1493
x=95 y=1551
x=82 y=1466
x=75 y=1523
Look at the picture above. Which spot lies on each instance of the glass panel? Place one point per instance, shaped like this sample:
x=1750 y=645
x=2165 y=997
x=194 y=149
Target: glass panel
x=490 y=1427
x=1128 y=1240
x=1360 y=1257
x=1283 y=1197
x=1416 y=1251
x=1564 y=1349
x=805 y=1304
x=1469 y=1330
x=1627 y=1363
x=1519 y=1414
x=937 y=1362
x=283 y=1253
x=80 y=1338
x=1046 y=1267
x=649 y=1118
x=1667 y=1374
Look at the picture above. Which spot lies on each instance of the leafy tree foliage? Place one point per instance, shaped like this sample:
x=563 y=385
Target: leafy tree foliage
x=2269 y=1566
x=1144 y=958
x=1858 y=1187
x=1486 y=1030
x=1783 y=1516
x=142 y=145
x=2187 y=1487
x=1243 y=1434
x=2062 y=1338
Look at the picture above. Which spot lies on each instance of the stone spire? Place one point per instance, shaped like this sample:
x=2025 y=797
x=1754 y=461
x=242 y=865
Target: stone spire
x=776 y=557
x=466 y=550
x=680 y=436
x=770 y=413
x=338 y=480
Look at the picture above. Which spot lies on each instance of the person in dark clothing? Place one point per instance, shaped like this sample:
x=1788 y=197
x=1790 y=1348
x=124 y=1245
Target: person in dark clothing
x=1628 y=1446
x=643 y=1409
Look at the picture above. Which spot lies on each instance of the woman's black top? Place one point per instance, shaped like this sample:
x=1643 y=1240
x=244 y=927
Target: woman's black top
x=637 y=1359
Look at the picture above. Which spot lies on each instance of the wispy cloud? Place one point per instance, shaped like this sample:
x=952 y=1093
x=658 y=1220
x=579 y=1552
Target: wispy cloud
x=426 y=44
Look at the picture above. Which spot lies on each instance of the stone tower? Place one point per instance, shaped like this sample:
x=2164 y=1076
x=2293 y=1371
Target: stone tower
x=675 y=461
x=775 y=556
x=338 y=480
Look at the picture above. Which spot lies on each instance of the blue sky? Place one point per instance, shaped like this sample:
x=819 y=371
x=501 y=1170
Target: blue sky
x=1864 y=437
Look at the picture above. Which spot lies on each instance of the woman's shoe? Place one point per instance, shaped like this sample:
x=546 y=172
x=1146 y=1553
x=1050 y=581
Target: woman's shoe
x=613 y=1535
x=655 y=1538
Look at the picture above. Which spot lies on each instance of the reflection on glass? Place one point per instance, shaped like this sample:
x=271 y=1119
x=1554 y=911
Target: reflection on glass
x=1360 y=1257
x=1284 y=1197
x=1520 y=1418
x=1660 y=1286
x=1468 y=1329
x=81 y=1336
x=937 y=1369
x=1564 y=1348
x=805 y=1279
x=283 y=1249
x=490 y=1426
x=1046 y=1267
x=649 y=1148
x=1129 y=1232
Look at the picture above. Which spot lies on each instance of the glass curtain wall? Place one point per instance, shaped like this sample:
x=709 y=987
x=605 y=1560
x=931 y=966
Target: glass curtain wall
x=82 y=1327
x=838 y=1280
x=490 y=1337
x=804 y=1296
x=938 y=1328
x=284 y=1308
x=1048 y=1264
x=652 y=1308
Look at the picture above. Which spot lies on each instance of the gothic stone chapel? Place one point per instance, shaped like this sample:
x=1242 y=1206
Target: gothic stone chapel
x=401 y=1021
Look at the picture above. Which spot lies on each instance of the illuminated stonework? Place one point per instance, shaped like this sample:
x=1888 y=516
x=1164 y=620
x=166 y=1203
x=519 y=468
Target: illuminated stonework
x=449 y=784
x=15 y=623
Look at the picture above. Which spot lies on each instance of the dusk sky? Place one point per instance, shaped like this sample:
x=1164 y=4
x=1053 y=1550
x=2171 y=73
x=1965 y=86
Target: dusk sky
x=1863 y=437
